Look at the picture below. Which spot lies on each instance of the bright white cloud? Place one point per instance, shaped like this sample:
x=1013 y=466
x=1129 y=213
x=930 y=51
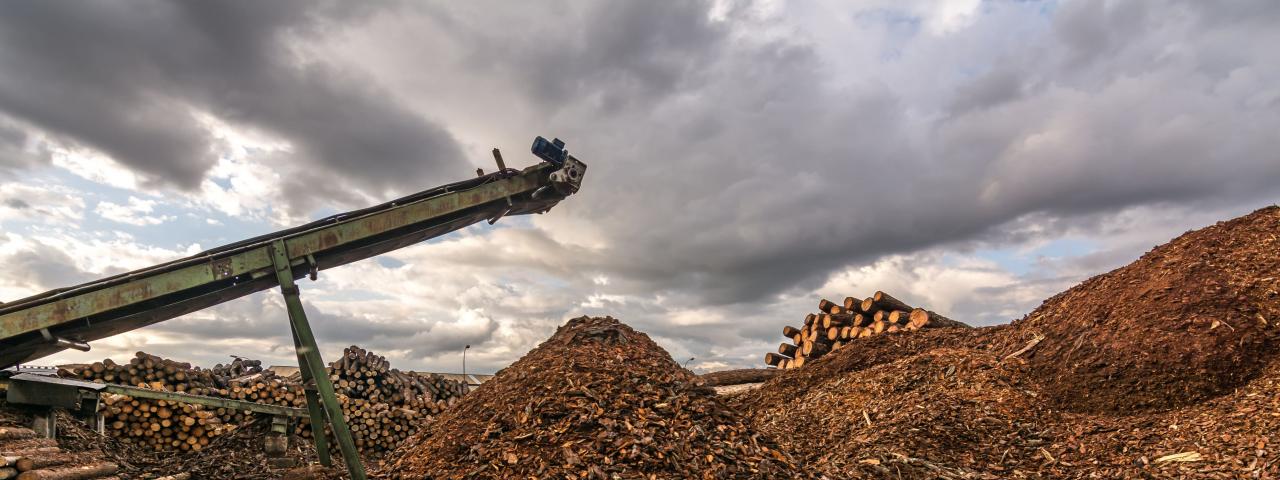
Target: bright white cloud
x=40 y=202
x=137 y=211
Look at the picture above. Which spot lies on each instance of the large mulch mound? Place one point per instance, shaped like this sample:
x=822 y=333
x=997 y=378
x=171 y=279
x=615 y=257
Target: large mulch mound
x=597 y=400
x=1232 y=436
x=945 y=413
x=1166 y=368
x=1191 y=319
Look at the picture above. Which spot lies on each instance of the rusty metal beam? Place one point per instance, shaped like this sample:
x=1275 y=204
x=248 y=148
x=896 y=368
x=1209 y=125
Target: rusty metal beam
x=124 y=302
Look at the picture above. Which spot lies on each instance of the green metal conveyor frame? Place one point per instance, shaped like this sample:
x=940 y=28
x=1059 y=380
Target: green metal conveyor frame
x=71 y=317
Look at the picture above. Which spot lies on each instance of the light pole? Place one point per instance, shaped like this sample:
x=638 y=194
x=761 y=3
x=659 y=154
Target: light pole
x=465 y=382
x=686 y=363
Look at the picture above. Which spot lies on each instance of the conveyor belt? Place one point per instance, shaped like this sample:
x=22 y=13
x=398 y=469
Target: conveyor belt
x=43 y=324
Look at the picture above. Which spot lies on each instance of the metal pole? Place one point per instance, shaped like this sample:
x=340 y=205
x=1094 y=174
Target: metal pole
x=465 y=383
x=314 y=408
x=309 y=354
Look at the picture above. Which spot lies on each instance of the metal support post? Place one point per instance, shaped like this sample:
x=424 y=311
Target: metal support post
x=314 y=407
x=45 y=423
x=311 y=363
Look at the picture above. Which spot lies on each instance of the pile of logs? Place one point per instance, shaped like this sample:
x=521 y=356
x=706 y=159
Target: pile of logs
x=162 y=425
x=23 y=456
x=382 y=405
x=837 y=325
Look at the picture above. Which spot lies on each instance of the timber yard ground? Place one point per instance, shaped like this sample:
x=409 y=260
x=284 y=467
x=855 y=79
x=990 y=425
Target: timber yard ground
x=1164 y=368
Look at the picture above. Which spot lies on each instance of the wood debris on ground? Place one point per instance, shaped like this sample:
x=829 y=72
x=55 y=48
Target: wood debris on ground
x=25 y=456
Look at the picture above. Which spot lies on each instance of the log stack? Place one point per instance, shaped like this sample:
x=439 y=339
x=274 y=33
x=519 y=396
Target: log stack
x=382 y=405
x=838 y=325
x=23 y=456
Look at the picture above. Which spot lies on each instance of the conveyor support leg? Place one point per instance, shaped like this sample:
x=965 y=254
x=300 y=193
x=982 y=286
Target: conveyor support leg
x=311 y=363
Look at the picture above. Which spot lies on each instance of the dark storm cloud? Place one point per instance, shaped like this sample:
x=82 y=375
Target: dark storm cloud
x=732 y=159
x=41 y=267
x=742 y=169
x=612 y=55
x=125 y=78
x=13 y=153
x=726 y=171
x=252 y=318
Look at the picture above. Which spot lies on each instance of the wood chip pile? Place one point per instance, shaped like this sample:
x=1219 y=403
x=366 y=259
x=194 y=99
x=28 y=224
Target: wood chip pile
x=838 y=325
x=383 y=405
x=597 y=400
x=1045 y=397
x=23 y=456
x=1191 y=319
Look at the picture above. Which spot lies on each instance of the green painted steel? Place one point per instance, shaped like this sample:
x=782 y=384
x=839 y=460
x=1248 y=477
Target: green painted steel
x=214 y=402
x=314 y=408
x=257 y=261
x=312 y=365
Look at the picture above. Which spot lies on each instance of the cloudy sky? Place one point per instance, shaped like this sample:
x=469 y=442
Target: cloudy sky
x=745 y=157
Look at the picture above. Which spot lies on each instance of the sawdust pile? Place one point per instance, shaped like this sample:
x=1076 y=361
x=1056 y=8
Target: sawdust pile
x=947 y=412
x=1191 y=319
x=1166 y=368
x=596 y=400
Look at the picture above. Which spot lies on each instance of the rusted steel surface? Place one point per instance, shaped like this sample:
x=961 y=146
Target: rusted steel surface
x=82 y=310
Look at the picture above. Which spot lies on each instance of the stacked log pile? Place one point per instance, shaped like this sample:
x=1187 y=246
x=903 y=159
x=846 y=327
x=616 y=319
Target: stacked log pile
x=382 y=405
x=23 y=456
x=837 y=325
x=162 y=425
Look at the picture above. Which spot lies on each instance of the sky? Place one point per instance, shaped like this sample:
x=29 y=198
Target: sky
x=745 y=158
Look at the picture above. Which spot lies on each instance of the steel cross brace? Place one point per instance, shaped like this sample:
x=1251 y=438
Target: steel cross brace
x=312 y=368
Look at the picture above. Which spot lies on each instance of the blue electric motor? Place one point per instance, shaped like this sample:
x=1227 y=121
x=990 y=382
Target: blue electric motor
x=552 y=151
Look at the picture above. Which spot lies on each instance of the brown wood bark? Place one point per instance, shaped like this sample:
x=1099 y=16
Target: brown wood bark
x=725 y=377
x=879 y=326
x=16 y=433
x=787 y=349
x=869 y=306
x=851 y=304
x=71 y=473
x=34 y=447
x=921 y=318
x=814 y=350
x=825 y=305
x=789 y=331
x=899 y=317
x=773 y=359
x=45 y=461
x=860 y=320
x=887 y=302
